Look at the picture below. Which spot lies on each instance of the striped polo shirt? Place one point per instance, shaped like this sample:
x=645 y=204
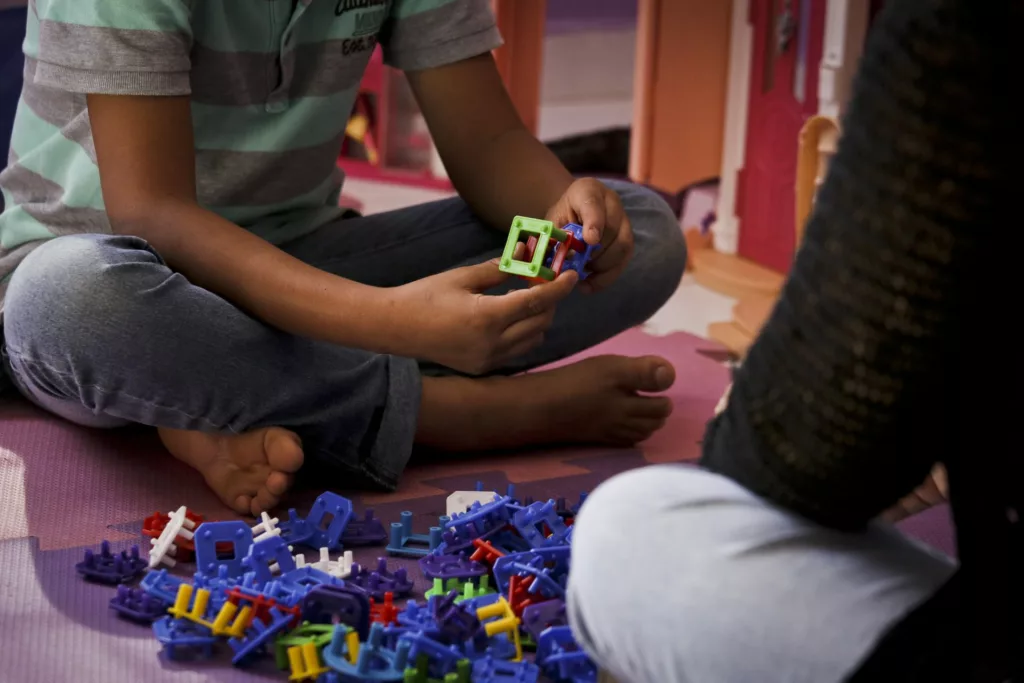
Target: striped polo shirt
x=272 y=83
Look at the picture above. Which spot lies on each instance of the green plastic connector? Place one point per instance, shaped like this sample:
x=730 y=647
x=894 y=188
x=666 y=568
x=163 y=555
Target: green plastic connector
x=442 y=587
x=468 y=589
x=471 y=590
x=545 y=232
x=418 y=674
x=320 y=634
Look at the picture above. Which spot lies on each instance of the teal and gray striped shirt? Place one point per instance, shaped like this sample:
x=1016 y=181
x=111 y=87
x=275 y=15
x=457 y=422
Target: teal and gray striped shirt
x=272 y=83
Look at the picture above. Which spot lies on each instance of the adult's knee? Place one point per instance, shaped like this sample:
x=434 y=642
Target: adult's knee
x=643 y=554
x=71 y=287
x=659 y=253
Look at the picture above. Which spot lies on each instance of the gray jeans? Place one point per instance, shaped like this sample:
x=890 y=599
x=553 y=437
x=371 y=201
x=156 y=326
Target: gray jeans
x=682 y=575
x=98 y=330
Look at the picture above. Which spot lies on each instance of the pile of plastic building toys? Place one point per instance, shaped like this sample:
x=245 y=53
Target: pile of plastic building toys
x=495 y=613
x=548 y=250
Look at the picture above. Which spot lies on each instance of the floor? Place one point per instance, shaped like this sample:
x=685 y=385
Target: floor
x=691 y=309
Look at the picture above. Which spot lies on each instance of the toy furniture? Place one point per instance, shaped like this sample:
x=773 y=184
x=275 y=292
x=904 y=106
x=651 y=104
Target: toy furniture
x=817 y=145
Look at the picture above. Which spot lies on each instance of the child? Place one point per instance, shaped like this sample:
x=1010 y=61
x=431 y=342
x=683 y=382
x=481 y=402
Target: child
x=772 y=563
x=173 y=253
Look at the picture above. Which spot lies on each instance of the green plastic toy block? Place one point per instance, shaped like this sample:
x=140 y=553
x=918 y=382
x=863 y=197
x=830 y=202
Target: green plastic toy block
x=419 y=673
x=468 y=589
x=307 y=633
x=523 y=227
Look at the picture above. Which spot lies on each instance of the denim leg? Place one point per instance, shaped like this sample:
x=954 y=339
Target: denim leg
x=98 y=330
x=396 y=247
x=719 y=585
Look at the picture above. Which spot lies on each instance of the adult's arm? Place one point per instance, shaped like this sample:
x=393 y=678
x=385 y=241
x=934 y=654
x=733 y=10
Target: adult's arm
x=848 y=396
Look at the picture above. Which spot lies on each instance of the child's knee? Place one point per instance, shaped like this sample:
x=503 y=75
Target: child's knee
x=70 y=282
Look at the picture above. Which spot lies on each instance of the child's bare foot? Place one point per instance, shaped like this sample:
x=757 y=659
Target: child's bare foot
x=597 y=400
x=249 y=472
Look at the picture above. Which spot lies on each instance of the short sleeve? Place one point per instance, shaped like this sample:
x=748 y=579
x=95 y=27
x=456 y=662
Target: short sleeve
x=424 y=34
x=114 y=47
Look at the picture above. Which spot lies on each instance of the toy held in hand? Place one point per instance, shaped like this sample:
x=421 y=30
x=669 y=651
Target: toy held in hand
x=549 y=250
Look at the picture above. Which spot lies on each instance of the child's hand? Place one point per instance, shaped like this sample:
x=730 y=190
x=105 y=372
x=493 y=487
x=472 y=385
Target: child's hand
x=447 y=318
x=588 y=202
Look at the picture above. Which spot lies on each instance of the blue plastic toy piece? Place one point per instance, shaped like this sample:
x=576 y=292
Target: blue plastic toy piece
x=111 y=568
x=137 y=605
x=258 y=637
x=377 y=582
x=578 y=261
x=531 y=521
x=544 y=564
x=268 y=553
x=161 y=585
x=539 y=617
x=346 y=604
x=375 y=662
x=301 y=580
x=328 y=518
x=561 y=658
x=181 y=637
x=296 y=530
x=446 y=567
x=209 y=534
x=441 y=658
x=421 y=617
x=405 y=542
x=484 y=517
x=217 y=585
x=492 y=670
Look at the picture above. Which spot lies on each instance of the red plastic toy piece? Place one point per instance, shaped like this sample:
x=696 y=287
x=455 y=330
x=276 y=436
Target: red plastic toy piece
x=261 y=606
x=485 y=553
x=154 y=525
x=385 y=613
x=519 y=595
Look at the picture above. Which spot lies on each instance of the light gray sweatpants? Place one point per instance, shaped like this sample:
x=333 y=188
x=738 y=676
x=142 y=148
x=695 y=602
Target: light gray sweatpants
x=683 y=576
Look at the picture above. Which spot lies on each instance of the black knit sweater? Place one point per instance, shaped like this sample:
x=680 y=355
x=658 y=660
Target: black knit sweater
x=875 y=364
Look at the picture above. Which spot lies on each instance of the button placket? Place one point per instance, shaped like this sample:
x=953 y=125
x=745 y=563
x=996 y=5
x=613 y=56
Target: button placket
x=279 y=98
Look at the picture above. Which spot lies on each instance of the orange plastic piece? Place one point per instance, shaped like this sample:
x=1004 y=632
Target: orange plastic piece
x=485 y=553
x=385 y=613
x=519 y=595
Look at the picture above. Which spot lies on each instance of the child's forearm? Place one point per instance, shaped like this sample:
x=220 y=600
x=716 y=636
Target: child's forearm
x=521 y=176
x=495 y=163
x=263 y=280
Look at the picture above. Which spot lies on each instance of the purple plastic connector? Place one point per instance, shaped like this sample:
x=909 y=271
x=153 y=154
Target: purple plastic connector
x=538 y=618
x=111 y=568
x=347 y=605
x=135 y=604
x=377 y=582
x=456 y=622
x=450 y=567
x=366 y=531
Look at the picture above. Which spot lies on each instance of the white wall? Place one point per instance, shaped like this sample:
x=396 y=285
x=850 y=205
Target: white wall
x=587 y=81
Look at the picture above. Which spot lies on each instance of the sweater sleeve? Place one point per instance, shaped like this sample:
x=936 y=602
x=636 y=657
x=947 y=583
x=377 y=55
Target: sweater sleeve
x=843 y=403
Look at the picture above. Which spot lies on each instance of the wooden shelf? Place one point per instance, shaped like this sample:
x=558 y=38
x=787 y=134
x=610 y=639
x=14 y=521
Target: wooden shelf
x=731 y=337
x=734 y=276
x=750 y=313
